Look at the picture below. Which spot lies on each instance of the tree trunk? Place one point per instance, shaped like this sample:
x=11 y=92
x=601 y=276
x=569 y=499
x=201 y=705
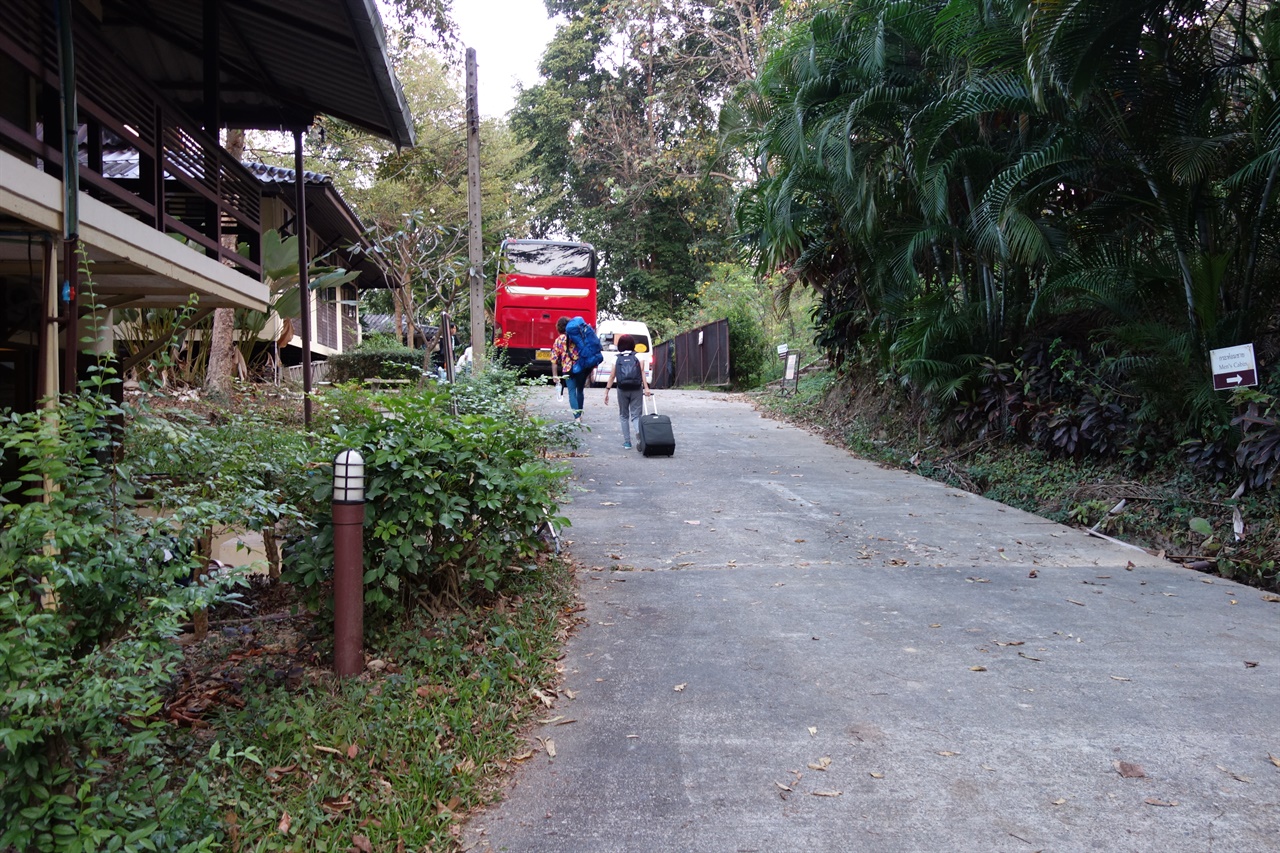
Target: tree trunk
x=222 y=340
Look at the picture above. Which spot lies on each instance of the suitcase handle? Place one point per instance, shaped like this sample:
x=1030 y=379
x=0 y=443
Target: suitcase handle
x=646 y=400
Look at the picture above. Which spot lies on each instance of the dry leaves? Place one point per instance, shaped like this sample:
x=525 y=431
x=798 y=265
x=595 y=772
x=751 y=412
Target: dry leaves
x=1129 y=771
x=549 y=745
x=1236 y=776
x=1152 y=801
x=362 y=843
x=285 y=823
x=337 y=805
x=826 y=793
x=977 y=669
x=679 y=688
x=821 y=764
x=876 y=775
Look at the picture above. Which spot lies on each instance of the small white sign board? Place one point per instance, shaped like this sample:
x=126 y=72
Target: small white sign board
x=1233 y=367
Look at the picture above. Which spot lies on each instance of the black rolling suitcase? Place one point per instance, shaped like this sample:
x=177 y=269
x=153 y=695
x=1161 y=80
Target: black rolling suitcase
x=656 y=437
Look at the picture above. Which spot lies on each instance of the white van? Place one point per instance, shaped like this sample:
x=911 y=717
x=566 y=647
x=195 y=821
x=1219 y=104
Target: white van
x=609 y=332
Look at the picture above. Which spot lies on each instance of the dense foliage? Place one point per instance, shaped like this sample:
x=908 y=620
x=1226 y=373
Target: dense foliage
x=93 y=589
x=1038 y=216
x=452 y=501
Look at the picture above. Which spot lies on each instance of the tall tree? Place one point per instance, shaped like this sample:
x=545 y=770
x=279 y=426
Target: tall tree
x=962 y=180
x=624 y=139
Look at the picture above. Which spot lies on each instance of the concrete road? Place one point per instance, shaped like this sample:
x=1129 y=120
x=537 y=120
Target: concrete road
x=786 y=648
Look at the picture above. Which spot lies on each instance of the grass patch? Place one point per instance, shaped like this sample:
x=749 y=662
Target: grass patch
x=392 y=759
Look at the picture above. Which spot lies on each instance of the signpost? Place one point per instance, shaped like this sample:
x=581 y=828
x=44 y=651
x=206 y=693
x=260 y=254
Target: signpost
x=1233 y=367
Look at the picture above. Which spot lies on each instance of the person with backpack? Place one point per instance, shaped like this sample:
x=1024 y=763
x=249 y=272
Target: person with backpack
x=564 y=358
x=633 y=387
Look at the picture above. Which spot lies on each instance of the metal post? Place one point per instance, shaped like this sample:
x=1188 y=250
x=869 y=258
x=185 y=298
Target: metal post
x=304 y=278
x=348 y=563
x=475 y=250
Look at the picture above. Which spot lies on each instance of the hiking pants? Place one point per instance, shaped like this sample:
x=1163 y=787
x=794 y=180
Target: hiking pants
x=630 y=407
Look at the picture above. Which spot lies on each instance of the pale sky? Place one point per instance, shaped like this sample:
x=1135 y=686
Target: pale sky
x=509 y=37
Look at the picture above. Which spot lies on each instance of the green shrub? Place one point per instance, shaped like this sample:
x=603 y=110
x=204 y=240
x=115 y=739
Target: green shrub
x=91 y=596
x=385 y=363
x=748 y=347
x=452 y=502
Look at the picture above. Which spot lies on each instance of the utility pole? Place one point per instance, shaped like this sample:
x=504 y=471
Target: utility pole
x=475 y=250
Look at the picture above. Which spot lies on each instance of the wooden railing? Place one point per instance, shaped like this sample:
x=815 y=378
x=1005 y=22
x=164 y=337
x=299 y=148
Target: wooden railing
x=184 y=182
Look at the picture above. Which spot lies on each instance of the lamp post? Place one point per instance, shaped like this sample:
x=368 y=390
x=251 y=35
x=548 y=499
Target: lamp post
x=348 y=563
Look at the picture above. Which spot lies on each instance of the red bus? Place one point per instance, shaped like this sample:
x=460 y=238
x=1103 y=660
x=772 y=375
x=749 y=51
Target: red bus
x=539 y=282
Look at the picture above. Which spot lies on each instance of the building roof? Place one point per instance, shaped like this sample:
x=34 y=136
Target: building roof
x=281 y=63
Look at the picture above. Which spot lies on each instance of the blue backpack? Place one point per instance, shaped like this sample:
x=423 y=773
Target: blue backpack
x=587 y=342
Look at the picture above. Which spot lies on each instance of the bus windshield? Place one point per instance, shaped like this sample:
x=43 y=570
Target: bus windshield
x=559 y=259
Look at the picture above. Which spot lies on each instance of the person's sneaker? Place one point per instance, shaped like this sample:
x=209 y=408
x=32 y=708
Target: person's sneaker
x=626 y=445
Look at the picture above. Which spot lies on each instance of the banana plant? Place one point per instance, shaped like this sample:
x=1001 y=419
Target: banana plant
x=280 y=272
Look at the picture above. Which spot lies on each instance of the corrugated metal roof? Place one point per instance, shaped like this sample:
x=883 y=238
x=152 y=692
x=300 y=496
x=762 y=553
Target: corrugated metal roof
x=281 y=63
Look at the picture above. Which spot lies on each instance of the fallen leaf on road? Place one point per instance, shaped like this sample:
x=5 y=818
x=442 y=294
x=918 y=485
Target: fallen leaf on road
x=1059 y=801
x=1274 y=599
x=813 y=731
x=876 y=775
x=1120 y=678
x=1073 y=601
x=977 y=580
x=1250 y=664
x=936 y=625
x=549 y=745
x=1274 y=760
x=826 y=793
x=821 y=764
x=1033 y=574
x=608 y=503
x=948 y=753
x=1235 y=776
x=799 y=540
x=1152 y=801
x=782 y=786
x=524 y=756
x=542 y=697
x=1129 y=771
x=680 y=687
x=692 y=522
x=1012 y=643
x=1029 y=657
x=977 y=669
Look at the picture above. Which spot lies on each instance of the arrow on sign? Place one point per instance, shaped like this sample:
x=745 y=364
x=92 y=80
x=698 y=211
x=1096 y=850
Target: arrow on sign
x=1234 y=380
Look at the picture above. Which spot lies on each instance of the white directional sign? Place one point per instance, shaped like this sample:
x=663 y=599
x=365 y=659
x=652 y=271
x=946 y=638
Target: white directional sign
x=1233 y=367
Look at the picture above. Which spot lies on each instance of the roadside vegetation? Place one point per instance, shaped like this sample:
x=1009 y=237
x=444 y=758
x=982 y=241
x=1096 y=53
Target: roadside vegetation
x=152 y=704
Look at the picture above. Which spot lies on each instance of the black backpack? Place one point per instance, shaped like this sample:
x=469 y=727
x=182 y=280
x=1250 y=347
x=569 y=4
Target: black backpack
x=628 y=371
